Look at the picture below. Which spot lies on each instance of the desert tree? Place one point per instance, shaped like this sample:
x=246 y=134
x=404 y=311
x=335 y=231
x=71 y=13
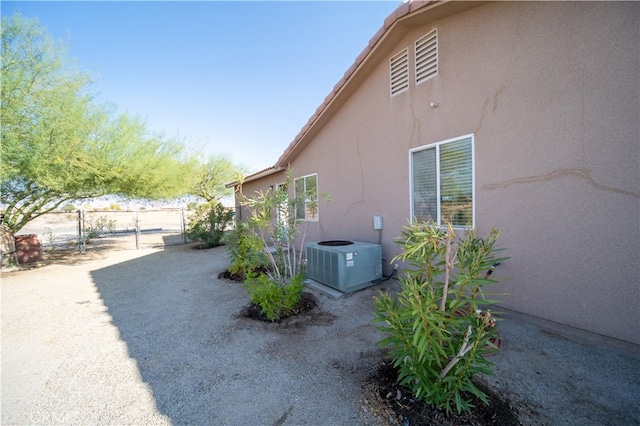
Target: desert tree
x=212 y=176
x=59 y=145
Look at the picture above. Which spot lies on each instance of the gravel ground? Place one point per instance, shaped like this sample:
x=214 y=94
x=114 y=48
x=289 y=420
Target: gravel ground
x=153 y=337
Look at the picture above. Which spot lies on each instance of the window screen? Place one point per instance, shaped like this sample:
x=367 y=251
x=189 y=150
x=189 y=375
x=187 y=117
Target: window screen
x=306 y=192
x=442 y=182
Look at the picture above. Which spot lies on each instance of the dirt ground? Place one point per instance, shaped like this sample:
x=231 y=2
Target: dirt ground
x=152 y=336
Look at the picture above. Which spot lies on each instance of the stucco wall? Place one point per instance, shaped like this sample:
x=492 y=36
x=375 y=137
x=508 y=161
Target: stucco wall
x=551 y=93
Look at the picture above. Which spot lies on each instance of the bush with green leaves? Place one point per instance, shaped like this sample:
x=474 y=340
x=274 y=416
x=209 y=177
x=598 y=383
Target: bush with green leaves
x=208 y=223
x=275 y=300
x=440 y=328
x=273 y=220
x=96 y=227
x=246 y=250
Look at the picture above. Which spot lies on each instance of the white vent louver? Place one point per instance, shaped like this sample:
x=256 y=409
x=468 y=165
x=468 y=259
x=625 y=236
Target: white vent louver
x=427 y=57
x=399 y=72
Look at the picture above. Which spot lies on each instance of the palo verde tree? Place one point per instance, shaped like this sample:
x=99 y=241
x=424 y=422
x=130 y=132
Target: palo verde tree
x=57 y=145
x=211 y=219
x=213 y=175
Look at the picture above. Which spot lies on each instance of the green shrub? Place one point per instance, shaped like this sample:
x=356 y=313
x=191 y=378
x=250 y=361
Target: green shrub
x=439 y=326
x=273 y=220
x=208 y=223
x=246 y=250
x=96 y=227
x=276 y=300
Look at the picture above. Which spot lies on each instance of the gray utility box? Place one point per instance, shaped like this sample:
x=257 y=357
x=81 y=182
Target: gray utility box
x=346 y=266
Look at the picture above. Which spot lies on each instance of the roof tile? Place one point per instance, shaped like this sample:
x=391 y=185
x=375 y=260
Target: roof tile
x=403 y=9
x=415 y=5
x=376 y=37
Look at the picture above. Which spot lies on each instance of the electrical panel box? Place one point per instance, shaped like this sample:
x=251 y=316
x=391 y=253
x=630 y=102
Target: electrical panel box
x=377 y=222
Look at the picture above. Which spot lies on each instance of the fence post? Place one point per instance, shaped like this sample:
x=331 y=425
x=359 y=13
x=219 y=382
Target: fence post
x=137 y=220
x=81 y=231
x=182 y=226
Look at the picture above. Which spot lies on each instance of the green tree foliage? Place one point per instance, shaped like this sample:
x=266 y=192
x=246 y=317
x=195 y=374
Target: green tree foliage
x=57 y=145
x=213 y=175
x=439 y=326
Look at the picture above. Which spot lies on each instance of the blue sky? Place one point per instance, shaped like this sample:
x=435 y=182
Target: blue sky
x=240 y=78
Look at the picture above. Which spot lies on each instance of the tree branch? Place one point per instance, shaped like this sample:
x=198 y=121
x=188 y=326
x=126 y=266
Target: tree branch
x=464 y=349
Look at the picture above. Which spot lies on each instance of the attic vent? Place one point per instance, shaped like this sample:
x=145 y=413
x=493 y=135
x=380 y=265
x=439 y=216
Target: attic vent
x=399 y=72
x=427 y=57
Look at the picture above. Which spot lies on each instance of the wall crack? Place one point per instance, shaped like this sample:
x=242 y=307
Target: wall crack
x=560 y=173
x=362 y=181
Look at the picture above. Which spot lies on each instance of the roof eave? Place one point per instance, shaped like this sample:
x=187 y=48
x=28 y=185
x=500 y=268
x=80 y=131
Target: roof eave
x=255 y=176
x=395 y=26
x=388 y=32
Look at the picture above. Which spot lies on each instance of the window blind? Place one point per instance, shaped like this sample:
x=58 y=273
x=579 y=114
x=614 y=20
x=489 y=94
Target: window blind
x=442 y=183
x=456 y=183
x=425 y=205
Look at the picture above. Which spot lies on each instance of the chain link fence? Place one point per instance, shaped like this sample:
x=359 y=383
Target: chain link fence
x=109 y=229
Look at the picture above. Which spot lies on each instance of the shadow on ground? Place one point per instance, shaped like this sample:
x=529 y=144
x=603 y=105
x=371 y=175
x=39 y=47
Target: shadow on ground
x=206 y=364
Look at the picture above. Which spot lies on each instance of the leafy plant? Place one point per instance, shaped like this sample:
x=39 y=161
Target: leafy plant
x=273 y=221
x=439 y=326
x=208 y=223
x=275 y=300
x=246 y=250
x=96 y=227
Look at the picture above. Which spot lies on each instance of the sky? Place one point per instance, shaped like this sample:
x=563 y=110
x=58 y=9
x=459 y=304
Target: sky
x=237 y=78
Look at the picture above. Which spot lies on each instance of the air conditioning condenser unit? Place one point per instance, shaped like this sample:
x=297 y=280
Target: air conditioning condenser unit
x=346 y=266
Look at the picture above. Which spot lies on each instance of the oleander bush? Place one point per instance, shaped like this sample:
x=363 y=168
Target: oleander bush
x=439 y=326
x=246 y=250
x=275 y=224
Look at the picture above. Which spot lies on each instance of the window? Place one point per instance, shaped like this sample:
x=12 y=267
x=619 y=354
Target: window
x=399 y=72
x=442 y=181
x=426 y=57
x=283 y=212
x=306 y=193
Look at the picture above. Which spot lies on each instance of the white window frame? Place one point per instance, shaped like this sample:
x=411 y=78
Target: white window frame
x=437 y=146
x=282 y=211
x=316 y=217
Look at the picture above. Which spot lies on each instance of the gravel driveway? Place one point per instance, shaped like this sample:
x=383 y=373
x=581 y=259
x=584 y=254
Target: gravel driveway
x=153 y=337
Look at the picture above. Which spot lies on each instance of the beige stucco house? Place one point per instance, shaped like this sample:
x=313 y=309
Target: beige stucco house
x=523 y=116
